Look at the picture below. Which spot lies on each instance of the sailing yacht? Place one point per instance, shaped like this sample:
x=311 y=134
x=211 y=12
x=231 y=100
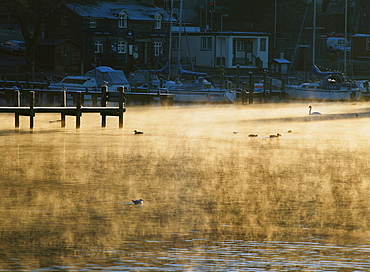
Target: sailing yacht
x=333 y=86
x=199 y=90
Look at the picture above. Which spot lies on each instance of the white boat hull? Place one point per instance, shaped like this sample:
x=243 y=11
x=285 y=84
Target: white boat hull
x=204 y=96
x=297 y=92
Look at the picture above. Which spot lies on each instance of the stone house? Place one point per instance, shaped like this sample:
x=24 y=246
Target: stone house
x=124 y=35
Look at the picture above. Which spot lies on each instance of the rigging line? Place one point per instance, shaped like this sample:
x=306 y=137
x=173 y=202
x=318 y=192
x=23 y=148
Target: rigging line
x=299 y=36
x=187 y=43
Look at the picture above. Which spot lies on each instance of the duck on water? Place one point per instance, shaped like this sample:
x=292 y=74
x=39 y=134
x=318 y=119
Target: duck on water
x=139 y=201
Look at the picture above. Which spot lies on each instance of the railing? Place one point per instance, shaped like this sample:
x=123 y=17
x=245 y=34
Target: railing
x=77 y=110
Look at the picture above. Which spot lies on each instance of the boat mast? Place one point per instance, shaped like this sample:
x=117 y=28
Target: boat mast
x=170 y=44
x=314 y=33
x=345 y=37
x=180 y=30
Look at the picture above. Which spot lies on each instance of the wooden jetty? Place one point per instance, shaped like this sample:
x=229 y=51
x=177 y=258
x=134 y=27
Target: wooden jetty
x=77 y=110
x=50 y=96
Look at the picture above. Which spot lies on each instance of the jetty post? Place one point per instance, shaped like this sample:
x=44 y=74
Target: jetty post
x=237 y=78
x=32 y=113
x=78 y=110
x=63 y=95
x=270 y=88
x=251 y=87
x=244 y=91
x=103 y=103
x=222 y=76
x=121 y=91
x=17 y=95
x=264 y=85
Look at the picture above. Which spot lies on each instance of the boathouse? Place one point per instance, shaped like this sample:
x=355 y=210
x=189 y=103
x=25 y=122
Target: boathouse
x=279 y=67
x=60 y=55
x=360 y=44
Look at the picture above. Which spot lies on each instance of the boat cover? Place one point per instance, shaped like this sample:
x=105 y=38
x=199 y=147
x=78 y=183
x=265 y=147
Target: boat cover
x=108 y=74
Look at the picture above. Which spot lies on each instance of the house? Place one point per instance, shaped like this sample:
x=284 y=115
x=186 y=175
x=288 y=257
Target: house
x=221 y=48
x=360 y=44
x=60 y=55
x=123 y=35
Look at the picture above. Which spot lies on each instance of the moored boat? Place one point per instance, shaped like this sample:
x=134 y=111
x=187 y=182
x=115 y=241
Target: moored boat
x=198 y=91
x=93 y=80
x=331 y=87
x=201 y=91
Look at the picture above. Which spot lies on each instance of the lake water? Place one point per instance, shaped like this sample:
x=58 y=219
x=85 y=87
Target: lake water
x=214 y=198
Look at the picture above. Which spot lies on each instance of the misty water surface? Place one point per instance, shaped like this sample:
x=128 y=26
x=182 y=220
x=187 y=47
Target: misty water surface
x=214 y=198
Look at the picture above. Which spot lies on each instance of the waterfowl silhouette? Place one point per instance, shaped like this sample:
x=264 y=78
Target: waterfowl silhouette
x=138 y=132
x=290 y=131
x=252 y=135
x=311 y=113
x=139 y=201
x=275 y=135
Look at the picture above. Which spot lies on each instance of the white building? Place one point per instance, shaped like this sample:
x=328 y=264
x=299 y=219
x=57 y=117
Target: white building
x=227 y=48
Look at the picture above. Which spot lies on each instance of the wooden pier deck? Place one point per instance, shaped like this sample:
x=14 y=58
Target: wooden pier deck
x=77 y=110
x=50 y=96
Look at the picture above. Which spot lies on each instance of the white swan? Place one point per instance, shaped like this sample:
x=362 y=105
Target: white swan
x=311 y=113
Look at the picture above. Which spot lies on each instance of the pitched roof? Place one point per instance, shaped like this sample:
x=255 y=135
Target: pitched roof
x=281 y=61
x=110 y=10
x=54 y=41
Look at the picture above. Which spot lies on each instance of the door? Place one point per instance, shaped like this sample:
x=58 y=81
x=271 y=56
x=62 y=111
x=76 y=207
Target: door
x=67 y=55
x=242 y=52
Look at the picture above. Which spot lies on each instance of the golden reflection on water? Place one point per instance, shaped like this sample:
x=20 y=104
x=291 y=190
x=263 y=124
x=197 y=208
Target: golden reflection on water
x=66 y=193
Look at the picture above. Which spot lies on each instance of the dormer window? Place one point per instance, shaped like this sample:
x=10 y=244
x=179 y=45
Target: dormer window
x=122 y=19
x=158 y=21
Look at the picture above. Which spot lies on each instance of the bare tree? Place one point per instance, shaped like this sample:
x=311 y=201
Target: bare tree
x=30 y=15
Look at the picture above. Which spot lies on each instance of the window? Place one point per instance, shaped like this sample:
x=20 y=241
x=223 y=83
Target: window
x=63 y=21
x=157 y=48
x=263 y=44
x=368 y=44
x=92 y=23
x=206 y=44
x=98 y=47
x=249 y=46
x=158 y=21
x=240 y=46
x=122 y=20
x=122 y=47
